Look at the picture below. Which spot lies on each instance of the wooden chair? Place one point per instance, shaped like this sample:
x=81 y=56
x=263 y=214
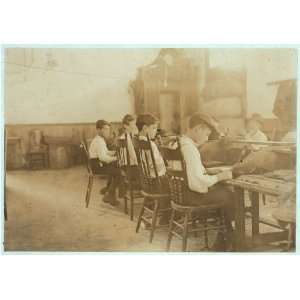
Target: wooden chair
x=91 y=174
x=38 y=154
x=132 y=184
x=151 y=186
x=202 y=218
x=38 y=159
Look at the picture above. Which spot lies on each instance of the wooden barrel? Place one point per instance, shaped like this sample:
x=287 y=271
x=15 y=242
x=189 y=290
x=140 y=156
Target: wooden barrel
x=14 y=154
x=59 y=156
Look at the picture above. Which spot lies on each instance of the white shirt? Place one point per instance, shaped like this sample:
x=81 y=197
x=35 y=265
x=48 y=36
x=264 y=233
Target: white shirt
x=98 y=149
x=258 y=136
x=290 y=137
x=159 y=162
x=198 y=180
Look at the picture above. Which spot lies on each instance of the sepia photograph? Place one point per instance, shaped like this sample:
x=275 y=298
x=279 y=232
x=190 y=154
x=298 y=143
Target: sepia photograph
x=149 y=149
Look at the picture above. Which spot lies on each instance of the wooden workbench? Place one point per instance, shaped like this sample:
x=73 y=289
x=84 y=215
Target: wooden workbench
x=255 y=185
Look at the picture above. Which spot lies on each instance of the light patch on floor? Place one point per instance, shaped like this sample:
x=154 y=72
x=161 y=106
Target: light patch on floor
x=46 y=212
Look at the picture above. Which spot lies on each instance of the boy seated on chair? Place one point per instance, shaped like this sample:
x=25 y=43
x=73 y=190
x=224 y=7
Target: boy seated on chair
x=104 y=161
x=204 y=188
x=147 y=125
x=129 y=131
x=254 y=132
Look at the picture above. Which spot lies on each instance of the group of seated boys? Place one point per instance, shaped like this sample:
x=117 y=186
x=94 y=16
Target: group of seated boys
x=203 y=187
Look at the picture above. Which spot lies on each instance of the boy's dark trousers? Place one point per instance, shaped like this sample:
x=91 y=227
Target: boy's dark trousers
x=113 y=172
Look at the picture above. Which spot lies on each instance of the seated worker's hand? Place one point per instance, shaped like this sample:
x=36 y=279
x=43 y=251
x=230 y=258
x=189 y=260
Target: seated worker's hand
x=224 y=175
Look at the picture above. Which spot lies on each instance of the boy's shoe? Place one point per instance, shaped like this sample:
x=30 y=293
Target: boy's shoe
x=104 y=190
x=107 y=198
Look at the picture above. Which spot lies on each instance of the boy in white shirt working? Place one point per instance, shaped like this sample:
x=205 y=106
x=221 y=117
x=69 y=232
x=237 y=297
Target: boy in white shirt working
x=203 y=188
x=104 y=161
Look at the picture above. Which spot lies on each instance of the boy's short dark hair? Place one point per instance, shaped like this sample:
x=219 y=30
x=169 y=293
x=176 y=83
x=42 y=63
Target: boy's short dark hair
x=127 y=119
x=101 y=123
x=145 y=119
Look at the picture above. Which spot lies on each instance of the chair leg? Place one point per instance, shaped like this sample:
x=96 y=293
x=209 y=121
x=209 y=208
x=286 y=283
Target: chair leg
x=5 y=209
x=225 y=231
x=29 y=163
x=88 y=192
x=45 y=161
x=194 y=226
x=291 y=230
x=125 y=205
x=205 y=234
x=140 y=217
x=131 y=204
x=154 y=220
x=185 y=232
x=170 y=230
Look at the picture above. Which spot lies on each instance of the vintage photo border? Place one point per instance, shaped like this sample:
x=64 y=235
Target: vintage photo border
x=2 y=160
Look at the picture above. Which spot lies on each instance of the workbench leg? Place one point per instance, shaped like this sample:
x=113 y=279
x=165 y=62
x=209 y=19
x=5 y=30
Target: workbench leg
x=5 y=209
x=291 y=235
x=239 y=219
x=254 y=197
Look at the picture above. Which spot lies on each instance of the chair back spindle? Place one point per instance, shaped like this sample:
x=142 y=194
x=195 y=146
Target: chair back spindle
x=176 y=172
x=123 y=156
x=84 y=147
x=148 y=169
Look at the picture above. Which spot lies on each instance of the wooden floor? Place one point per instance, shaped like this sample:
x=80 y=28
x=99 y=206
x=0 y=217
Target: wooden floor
x=46 y=212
